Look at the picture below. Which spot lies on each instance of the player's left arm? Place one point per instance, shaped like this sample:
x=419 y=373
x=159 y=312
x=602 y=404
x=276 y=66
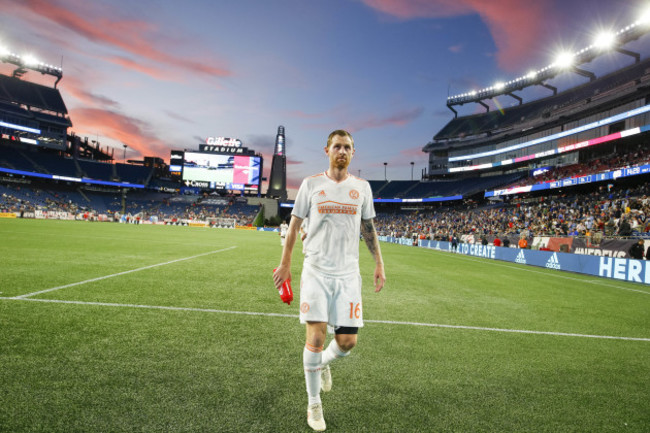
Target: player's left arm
x=372 y=242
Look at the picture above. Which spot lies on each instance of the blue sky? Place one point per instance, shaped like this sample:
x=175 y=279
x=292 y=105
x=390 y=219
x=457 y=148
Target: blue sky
x=163 y=75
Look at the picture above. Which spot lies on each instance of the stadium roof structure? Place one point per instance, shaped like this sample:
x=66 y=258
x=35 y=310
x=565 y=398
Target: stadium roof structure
x=14 y=90
x=26 y=62
x=494 y=121
x=566 y=62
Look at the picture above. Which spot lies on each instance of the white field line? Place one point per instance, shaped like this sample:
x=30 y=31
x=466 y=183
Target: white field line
x=113 y=238
x=385 y=322
x=554 y=274
x=120 y=273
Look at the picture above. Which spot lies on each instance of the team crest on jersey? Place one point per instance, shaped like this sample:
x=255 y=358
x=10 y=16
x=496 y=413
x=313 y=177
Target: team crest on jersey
x=304 y=307
x=354 y=194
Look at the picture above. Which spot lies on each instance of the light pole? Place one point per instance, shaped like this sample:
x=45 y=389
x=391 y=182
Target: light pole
x=385 y=164
x=124 y=153
x=412 y=164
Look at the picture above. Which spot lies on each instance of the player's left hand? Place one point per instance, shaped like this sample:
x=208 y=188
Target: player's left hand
x=380 y=277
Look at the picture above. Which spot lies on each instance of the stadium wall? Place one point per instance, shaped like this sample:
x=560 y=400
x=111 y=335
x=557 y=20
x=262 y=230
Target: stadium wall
x=616 y=268
x=270 y=205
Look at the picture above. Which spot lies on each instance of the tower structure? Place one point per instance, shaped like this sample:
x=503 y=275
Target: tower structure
x=278 y=181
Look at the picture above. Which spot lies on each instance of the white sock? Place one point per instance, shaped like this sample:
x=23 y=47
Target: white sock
x=333 y=352
x=311 y=361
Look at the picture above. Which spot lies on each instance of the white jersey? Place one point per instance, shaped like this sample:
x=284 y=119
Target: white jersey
x=335 y=210
x=284 y=228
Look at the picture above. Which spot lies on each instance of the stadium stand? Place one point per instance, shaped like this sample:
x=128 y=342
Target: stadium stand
x=586 y=148
x=38 y=113
x=615 y=93
x=615 y=85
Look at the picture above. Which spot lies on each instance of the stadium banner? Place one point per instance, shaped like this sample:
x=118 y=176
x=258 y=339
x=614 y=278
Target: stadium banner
x=267 y=229
x=417 y=200
x=617 y=268
x=7 y=215
x=246 y=227
x=53 y=215
x=194 y=223
x=394 y=240
x=606 y=247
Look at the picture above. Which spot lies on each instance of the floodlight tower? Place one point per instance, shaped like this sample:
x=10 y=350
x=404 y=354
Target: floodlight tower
x=278 y=182
x=565 y=62
x=28 y=61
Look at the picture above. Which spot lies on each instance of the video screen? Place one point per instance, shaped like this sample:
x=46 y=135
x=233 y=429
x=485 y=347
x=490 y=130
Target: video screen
x=234 y=172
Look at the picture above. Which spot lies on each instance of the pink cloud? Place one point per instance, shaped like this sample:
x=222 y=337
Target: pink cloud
x=133 y=132
x=140 y=67
x=135 y=37
x=78 y=89
x=515 y=25
x=408 y=9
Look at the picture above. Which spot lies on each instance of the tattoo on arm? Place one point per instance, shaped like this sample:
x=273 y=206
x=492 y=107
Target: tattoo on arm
x=370 y=237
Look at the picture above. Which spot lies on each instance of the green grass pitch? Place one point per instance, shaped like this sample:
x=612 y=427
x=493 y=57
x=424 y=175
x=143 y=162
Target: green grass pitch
x=143 y=332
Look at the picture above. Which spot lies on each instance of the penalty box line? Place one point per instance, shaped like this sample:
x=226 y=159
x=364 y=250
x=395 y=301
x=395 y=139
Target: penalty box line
x=120 y=274
x=294 y=316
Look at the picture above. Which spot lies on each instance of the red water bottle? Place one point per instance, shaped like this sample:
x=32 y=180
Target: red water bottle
x=286 y=294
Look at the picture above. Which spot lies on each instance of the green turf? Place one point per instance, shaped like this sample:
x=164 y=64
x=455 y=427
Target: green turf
x=109 y=363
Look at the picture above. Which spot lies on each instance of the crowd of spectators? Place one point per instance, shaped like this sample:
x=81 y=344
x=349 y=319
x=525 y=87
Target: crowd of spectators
x=619 y=212
x=607 y=210
x=243 y=215
x=21 y=200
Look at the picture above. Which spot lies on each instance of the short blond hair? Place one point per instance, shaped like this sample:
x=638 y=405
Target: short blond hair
x=340 y=133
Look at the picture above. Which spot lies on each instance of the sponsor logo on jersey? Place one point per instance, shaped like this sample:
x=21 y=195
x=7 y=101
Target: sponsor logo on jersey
x=354 y=194
x=332 y=207
x=553 y=262
x=521 y=258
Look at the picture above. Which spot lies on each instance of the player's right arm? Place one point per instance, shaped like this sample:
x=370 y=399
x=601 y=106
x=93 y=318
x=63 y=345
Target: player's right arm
x=283 y=272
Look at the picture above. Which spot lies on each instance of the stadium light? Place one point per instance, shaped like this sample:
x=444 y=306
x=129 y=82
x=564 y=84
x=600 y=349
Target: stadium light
x=30 y=60
x=565 y=63
x=644 y=18
x=605 y=40
x=564 y=60
x=500 y=85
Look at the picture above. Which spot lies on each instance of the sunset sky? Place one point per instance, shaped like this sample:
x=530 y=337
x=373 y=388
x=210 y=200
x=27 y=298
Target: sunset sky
x=163 y=75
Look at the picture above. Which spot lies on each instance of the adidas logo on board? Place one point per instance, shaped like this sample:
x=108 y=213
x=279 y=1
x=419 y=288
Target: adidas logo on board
x=553 y=262
x=521 y=258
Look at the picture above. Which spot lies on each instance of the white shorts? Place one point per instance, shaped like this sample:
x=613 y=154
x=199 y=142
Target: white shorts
x=335 y=300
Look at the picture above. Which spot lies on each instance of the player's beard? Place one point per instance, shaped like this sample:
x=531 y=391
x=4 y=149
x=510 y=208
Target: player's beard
x=342 y=163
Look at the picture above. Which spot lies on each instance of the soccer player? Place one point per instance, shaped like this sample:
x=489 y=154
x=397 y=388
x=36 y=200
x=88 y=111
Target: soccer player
x=284 y=227
x=339 y=207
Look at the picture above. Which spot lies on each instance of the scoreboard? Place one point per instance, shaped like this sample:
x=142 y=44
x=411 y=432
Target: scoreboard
x=220 y=164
